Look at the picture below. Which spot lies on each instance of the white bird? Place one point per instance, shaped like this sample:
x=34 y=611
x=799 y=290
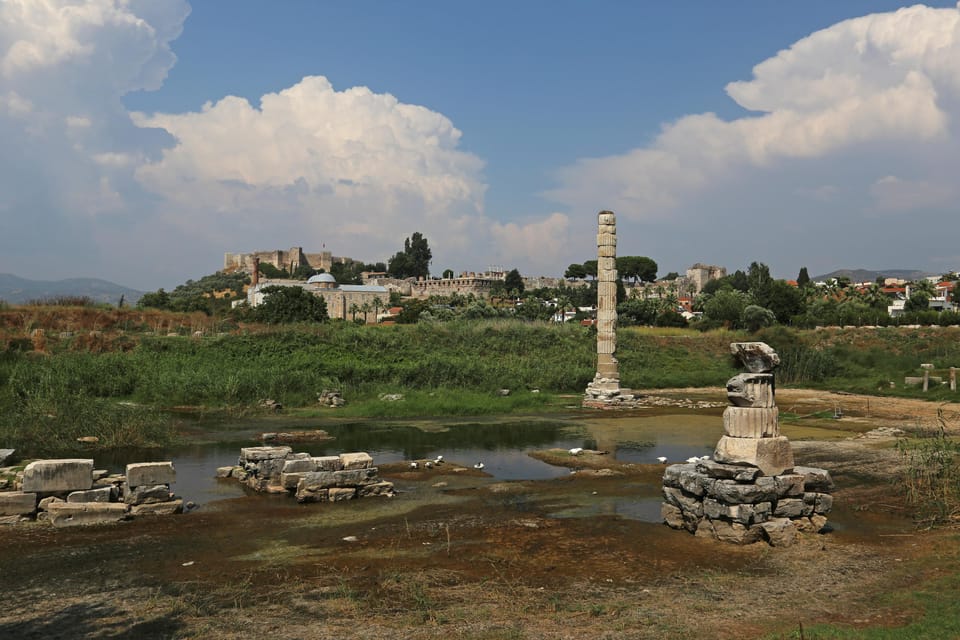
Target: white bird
x=414 y=465
x=662 y=459
x=439 y=460
x=428 y=465
x=704 y=457
x=576 y=451
x=479 y=465
x=693 y=459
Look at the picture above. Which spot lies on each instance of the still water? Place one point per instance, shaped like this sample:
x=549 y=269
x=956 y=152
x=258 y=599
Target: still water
x=502 y=444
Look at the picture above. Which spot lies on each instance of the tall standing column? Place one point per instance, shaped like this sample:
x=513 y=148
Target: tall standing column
x=606 y=383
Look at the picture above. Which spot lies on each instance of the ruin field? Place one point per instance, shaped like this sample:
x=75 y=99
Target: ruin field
x=464 y=554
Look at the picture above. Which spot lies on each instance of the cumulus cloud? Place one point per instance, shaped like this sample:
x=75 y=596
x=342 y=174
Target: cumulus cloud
x=541 y=244
x=354 y=170
x=64 y=67
x=316 y=163
x=850 y=104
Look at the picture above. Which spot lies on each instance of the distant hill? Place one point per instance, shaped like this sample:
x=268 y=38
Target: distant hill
x=16 y=290
x=865 y=275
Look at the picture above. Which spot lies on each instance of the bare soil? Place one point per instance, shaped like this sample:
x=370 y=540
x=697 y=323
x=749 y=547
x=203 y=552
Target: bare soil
x=462 y=555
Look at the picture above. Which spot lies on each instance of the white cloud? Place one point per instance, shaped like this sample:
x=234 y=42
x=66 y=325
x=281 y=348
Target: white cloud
x=895 y=195
x=353 y=169
x=64 y=67
x=540 y=245
x=847 y=104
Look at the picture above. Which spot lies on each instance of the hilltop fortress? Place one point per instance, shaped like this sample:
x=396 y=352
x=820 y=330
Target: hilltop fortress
x=291 y=260
x=468 y=282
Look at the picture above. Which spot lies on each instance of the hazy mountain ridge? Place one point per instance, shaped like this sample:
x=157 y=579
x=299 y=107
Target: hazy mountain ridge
x=17 y=290
x=866 y=275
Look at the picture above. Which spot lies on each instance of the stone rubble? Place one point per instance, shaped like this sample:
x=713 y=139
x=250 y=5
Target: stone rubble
x=70 y=492
x=310 y=479
x=751 y=490
x=331 y=398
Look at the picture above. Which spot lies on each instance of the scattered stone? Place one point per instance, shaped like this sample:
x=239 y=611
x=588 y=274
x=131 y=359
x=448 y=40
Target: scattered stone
x=50 y=476
x=271 y=405
x=780 y=532
x=503 y=393
x=6 y=454
x=258 y=454
x=355 y=460
x=314 y=435
x=45 y=502
x=148 y=494
x=66 y=514
x=100 y=494
x=226 y=472
x=169 y=507
x=331 y=398
x=17 y=503
x=88 y=439
x=757 y=357
x=150 y=473
x=328 y=463
x=390 y=397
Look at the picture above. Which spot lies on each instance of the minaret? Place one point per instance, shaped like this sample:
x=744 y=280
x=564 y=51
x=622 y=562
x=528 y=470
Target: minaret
x=606 y=383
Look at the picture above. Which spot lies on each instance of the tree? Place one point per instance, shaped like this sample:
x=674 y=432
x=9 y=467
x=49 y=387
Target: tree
x=803 y=278
x=590 y=268
x=447 y=274
x=637 y=312
x=575 y=271
x=784 y=300
x=290 y=304
x=354 y=310
x=637 y=267
x=917 y=302
x=923 y=286
x=414 y=260
x=726 y=307
x=303 y=272
x=269 y=271
x=673 y=275
x=514 y=282
x=377 y=304
x=755 y=317
x=160 y=299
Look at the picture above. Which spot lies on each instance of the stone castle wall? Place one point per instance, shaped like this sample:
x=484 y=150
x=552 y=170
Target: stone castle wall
x=290 y=260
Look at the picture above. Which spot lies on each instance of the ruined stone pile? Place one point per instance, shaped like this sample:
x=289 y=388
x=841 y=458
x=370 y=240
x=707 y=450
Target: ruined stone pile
x=752 y=490
x=70 y=492
x=310 y=479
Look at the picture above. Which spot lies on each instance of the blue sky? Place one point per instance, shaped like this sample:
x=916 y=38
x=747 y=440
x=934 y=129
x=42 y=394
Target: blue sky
x=497 y=129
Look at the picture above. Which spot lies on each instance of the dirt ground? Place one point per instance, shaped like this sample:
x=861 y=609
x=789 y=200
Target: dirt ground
x=459 y=555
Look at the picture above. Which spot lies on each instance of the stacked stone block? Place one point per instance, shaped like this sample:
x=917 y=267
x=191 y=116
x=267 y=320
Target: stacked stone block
x=752 y=490
x=606 y=382
x=70 y=492
x=308 y=478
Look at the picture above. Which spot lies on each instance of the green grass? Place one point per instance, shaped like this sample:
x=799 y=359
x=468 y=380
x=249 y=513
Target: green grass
x=452 y=368
x=939 y=617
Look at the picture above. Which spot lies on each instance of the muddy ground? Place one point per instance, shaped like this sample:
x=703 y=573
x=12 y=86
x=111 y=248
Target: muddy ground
x=460 y=555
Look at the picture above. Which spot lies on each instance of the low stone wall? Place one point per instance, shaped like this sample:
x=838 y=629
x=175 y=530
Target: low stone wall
x=738 y=504
x=309 y=479
x=70 y=492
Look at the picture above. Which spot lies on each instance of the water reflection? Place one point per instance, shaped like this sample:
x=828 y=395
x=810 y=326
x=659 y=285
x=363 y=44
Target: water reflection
x=501 y=444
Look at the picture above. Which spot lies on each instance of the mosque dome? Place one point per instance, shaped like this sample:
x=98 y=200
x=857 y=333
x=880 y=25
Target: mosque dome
x=323 y=280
